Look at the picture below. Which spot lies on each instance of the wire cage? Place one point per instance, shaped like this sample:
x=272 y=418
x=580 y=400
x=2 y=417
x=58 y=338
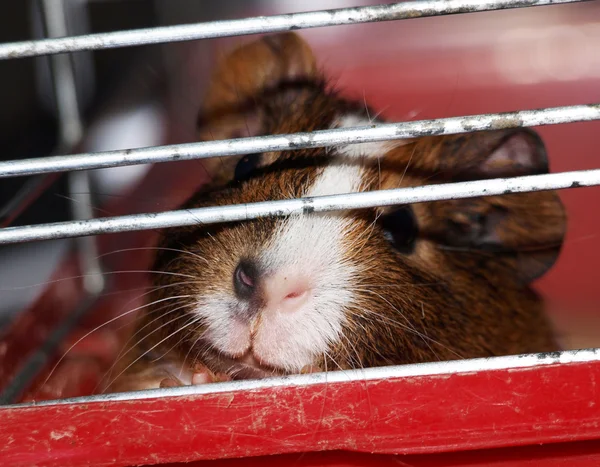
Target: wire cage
x=445 y=413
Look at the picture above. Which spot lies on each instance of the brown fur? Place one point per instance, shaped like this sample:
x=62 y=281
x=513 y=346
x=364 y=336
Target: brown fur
x=462 y=293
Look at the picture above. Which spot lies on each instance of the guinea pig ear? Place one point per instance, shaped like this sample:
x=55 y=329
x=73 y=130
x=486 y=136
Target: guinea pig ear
x=494 y=154
x=230 y=108
x=526 y=229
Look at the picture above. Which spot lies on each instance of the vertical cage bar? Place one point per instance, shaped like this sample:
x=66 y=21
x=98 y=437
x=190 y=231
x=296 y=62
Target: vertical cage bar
x=71 y=133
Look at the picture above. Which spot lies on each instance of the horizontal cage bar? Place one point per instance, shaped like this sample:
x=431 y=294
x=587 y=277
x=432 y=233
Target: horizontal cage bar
x=265 y=24
x=241 y=212
x=290 y=142
x=453 y=367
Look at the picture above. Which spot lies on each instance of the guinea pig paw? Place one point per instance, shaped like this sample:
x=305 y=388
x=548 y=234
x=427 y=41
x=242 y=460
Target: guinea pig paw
x=203 y=375
x=202 y=378
x=170 y=383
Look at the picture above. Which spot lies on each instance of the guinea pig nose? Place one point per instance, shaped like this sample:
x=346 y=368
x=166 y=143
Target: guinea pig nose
x=245 y=278
x=286 y=292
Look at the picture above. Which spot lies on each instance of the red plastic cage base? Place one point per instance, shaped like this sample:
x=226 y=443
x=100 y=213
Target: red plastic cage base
x=421 y=414
x=583 y=454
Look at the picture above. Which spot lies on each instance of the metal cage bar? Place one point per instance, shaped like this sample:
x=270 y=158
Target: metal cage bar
x=453 y=367
x=241 y=212
x=290 y=142
x=260 y=25
x=70 y=134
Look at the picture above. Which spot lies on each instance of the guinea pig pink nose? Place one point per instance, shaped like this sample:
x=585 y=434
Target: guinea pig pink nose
x=286 y=291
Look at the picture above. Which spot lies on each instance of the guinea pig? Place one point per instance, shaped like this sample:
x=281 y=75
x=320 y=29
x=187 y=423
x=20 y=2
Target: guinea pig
x=341 y=290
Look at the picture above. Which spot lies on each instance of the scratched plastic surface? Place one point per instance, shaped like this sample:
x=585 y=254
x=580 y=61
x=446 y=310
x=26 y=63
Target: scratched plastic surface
x=410 y=70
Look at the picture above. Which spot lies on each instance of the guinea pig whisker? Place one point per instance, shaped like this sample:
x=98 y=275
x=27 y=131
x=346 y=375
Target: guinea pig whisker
x=141 y=307
x=355 y=350
x=381 y=111
x=156 y=289
x=365 y=290
x=425 y=337
x=94 y=208
x=153 y=347
x=158 y=328
x=153 y=311
x=358 y=312
x=154 y=248
x=167 y=273
x=389 y=286
x=140 y=317
x=101 y=326
x=367 y=107
x=106 y=273
x=407 y=165
x=404 y=327
x=362 y=326
x=171 y=348
x=201 y=353
x=126 y=350
x=357 y=363
x=124 y=346
x=409 y=327
x=122 y=353
x=189 y=351
x=368 y=232
x=329 y=356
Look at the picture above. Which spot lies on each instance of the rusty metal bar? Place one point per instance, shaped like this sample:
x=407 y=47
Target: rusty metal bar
x=241 y=212
x=290 y=142
x=260 y=25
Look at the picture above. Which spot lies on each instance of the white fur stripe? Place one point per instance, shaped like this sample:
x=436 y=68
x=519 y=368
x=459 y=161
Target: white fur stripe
x=315 y=248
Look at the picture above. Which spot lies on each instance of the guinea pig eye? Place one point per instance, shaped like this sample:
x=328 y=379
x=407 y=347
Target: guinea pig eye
x=246 y=165
x=400 y=229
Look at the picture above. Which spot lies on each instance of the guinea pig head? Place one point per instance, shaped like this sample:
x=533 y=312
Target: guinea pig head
x=356 y=288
